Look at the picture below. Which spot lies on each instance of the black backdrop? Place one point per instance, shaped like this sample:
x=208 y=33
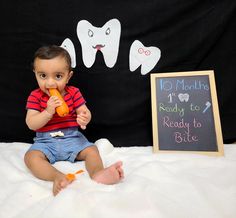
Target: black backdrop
x=192 y=35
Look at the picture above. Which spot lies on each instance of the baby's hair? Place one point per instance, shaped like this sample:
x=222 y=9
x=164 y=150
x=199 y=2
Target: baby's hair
x=52 y=51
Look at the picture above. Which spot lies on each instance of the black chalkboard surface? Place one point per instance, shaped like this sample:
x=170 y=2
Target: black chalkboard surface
x=185 y=114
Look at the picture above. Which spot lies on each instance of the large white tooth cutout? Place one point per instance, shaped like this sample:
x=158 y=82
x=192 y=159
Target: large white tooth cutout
x=105 y=39
x=69 y=46
x=147 y=57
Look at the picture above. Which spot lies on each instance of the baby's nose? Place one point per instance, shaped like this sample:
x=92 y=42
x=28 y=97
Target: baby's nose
x=51 y=83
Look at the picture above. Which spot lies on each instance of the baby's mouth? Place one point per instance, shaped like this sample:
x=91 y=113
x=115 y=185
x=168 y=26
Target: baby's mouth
x=47 y=92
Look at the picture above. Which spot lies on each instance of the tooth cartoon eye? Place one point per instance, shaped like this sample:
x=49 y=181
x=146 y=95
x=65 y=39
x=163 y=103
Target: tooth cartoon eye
x=108 y=31
x=90 y=33
x=140 y=50
x=147 y=52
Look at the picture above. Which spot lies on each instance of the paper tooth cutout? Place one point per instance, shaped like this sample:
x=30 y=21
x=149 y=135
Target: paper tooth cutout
x=105 y=39
x=183 y=97
x=69 y=46
x=147 y=57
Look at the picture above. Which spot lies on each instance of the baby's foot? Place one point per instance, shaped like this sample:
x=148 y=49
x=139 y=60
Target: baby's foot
x=110 y=175
x=59 y=183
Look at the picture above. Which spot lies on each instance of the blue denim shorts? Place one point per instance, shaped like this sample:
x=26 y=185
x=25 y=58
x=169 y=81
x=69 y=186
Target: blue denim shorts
x=60 y=148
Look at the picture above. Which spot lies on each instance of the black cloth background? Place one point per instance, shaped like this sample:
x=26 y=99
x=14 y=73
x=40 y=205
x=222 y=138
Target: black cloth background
x=192 y=35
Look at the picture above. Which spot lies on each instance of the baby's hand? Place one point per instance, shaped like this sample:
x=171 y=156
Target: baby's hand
x=52 y=104
x=83 y=119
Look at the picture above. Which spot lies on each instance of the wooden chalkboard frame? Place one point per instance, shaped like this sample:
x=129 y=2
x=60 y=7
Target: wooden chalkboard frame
x=215 y=110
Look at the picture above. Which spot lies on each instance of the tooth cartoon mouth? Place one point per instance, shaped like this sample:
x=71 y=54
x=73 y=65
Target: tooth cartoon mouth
x=147 y=57
x=98 y=47
x=105 y=39
x=69 y=46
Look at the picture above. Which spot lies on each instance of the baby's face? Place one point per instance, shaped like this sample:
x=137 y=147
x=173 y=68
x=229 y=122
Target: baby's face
x=52 y=73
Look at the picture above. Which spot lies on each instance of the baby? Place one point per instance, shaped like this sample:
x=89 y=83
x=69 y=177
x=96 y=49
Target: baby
x=57 y=138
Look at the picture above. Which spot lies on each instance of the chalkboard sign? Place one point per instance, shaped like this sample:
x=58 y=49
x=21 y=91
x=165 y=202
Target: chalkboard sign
x=185 y=114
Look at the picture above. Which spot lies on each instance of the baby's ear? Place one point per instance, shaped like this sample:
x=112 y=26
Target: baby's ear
x=70 y=75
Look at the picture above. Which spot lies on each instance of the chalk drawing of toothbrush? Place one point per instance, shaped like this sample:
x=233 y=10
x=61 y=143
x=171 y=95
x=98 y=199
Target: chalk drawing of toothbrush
x=208 y=105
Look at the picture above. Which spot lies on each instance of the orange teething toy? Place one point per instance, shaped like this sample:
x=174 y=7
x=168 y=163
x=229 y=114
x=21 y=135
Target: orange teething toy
x=62 y=110
x=71 y=176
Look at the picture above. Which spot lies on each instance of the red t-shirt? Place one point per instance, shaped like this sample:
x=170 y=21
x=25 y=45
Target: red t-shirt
x=73 y=98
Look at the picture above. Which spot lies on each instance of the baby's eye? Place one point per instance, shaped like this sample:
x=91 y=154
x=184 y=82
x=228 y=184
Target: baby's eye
x=42 y=76
x=58 y=76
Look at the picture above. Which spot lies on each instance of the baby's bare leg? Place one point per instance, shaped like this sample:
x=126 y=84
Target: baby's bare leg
x=93 y=162
x=42 y=169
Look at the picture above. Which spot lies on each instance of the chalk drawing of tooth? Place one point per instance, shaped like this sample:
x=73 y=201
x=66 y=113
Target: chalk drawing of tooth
x=69 y=46
x=147 y=57
x=183 y=97
x=105 y=39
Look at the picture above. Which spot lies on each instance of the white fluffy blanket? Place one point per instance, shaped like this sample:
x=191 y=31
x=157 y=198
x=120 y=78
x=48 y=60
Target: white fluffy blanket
x=155 y=186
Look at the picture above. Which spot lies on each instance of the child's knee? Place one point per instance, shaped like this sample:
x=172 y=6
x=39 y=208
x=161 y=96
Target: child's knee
x=93 y=150
x=27 y=157
x=89 y=151
x=32 y=155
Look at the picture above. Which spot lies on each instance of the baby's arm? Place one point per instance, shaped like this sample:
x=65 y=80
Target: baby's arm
x=83 y=116
x=36 y=120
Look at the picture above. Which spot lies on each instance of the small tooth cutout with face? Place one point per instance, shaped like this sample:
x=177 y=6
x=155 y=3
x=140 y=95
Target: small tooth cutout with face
x=69 y=46
x=147 y=57
x=183 y=97
x=105 y=39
